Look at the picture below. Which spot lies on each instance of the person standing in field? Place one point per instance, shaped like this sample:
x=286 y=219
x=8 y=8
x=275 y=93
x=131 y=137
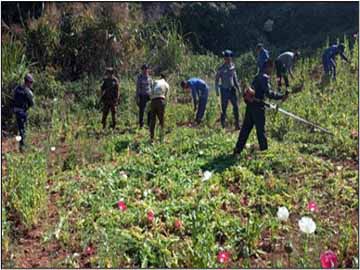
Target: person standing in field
x=199 y=93
x=109 y=96
x=284 y=64
x=228 y=87
x=255 y=108
x=158 y=95
x=23 y=99
x=143 y=86
x=329 y=59
x=262 y=56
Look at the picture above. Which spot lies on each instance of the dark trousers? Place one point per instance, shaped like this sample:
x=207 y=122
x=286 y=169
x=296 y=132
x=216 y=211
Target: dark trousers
x=254 y=115
x=281 y=72
x=21 y=118
x=201 y=108
x=143 y=99
x=157 y=111
x=106 y=109
x=229 y=94
x=329 y=65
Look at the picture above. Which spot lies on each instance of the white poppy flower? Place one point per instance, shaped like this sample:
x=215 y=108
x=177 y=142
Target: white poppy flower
x=307 y=225
x=53 y=148
x=18 y=138
x=282 y=213
x=201 y=152
x=206 y=176
x=123 y=175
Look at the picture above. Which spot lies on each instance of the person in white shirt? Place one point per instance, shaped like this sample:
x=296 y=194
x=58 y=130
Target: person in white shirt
x=158 y=95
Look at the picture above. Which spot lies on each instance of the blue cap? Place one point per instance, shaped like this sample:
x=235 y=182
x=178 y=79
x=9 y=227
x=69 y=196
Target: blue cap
x=227 y=53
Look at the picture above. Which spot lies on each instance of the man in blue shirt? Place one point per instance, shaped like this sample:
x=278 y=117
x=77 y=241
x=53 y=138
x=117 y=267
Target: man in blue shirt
x=262 y=56
x=22 y=101
x=328 y=59
x=199 y=92
x=255 y=108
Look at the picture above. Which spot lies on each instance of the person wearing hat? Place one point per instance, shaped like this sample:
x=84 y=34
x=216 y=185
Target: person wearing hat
x=23 y=99
x=109 y=96
x=158 y=95
x=284 y=64
x=328 y=59
x=199 y=93
x=143 y=86
x=262 y=56
x=228 y=87
x=255 y=108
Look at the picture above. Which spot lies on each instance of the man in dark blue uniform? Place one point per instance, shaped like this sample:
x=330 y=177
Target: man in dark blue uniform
x=144 y=84
x=23 y=99
x=262 y=56
x=255 y=108
x=328 y=59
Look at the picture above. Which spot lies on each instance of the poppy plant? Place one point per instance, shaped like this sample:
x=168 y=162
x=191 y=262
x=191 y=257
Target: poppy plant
x=150 y=216
x=328 y=259
x=223 y=256
x=122 y=206
x=312 y=207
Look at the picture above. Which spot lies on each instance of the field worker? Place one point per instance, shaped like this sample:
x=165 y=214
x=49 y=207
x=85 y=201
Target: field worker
x=143 y=86
x=199 y=93
x=228 y=87
x=255 y=108
x=158 y=95
x=262 y=56
x=284 y=64
x=23 y=99
x=109 y=96
x=328 y=59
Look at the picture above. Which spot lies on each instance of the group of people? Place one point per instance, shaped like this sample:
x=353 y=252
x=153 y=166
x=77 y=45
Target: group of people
x=226 y=86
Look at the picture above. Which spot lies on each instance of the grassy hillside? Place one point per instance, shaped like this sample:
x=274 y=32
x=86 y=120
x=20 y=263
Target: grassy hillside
x=60 y=205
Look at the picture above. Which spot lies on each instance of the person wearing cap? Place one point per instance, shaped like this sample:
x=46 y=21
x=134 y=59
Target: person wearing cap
x=109 y=96
x=284 y=64
x=199 y=93
x=262 y=56
x=23 y=99
x=228 y=87
x=143 y=86
x=255 y=108
x=328 y=59
x=158 y=95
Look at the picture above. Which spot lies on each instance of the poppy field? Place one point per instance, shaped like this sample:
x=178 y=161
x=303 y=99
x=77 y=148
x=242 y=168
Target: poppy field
x=81 y=196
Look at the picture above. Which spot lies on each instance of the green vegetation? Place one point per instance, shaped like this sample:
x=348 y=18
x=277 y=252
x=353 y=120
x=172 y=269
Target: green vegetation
x=235 y=210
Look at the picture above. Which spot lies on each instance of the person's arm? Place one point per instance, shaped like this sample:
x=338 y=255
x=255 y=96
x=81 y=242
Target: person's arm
x=194 y=97
x=117 y=92
x=342 y=55
x=265 y=84
x=30 y=98
x=236 y=83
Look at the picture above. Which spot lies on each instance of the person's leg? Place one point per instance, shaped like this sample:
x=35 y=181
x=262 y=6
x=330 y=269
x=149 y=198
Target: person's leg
x=245 y=131
x=259 y=119
x=234 y=103
x=326 y=65
x=161 y=116
x=142 y=105
x=201 y=108
x=333 y=68
x=106 y=110
x=113 y=116
x=21 y=120
x=224 y=102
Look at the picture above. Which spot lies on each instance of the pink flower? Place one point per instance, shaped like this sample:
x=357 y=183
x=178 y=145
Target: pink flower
x=223 y=256
x=122 y=206
x=312 y=206
x=150 y=215
x=89 y=250
x=178 y=224
x=328 y=259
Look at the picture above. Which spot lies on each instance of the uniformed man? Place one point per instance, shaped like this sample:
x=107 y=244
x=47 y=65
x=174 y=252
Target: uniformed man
x=199 y=93
x=262 y=56
x=158 y=95
x=229 y=85
x=23 y=99
x=255 y=108
x=284 y=64
x=109 y=96
x=143 y=86
x=328 y=59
